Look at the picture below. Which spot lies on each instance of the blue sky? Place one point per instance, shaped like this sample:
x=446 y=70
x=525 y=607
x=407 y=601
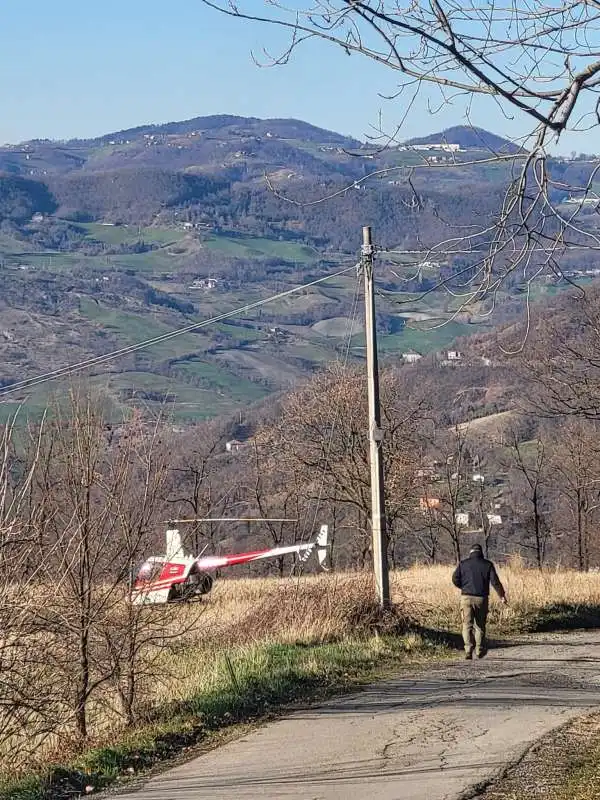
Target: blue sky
x=72 y=68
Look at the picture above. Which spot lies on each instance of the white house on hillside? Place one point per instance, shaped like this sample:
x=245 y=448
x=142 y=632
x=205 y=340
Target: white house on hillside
x=234 y=446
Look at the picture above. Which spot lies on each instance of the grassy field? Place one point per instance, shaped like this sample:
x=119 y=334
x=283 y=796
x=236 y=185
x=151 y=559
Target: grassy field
x=215 y=377
x=180 y=400
x=133 y=328
x=243 y=374
x=259 y=643
x=253 y=246
x=130 y=234
x=423 y=340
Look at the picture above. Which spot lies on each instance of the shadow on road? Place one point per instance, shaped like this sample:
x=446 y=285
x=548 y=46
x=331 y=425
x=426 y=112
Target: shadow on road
x=352 y=771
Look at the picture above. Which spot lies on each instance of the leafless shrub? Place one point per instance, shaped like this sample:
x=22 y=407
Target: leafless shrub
x=321 y=440
x=28 y=697
x=319 y=611
x=80 y=510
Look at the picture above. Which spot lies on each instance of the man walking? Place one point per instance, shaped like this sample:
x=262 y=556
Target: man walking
x=473 y=577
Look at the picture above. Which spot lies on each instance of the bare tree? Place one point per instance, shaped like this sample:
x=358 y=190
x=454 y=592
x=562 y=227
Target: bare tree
x=136 y=480
x=29 y=702
x=321 y=431
x=100 y=487
x=78 y=544
x=453 y=490
x=80 y=501
x=529 y=465
x=277 y=491
x=537 y=62
x=575 y=472
x=202 y=485
x=424 y=524
x=561 y=367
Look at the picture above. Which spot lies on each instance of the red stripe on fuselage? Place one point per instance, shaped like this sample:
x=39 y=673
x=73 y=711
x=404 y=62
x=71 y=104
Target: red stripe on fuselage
x=152 y=587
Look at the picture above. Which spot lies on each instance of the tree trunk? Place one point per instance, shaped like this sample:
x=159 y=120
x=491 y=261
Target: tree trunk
x=83 y=685
x=580 y=531
x=456 y=546
x=537 y=529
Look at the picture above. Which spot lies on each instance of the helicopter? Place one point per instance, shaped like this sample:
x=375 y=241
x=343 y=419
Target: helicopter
x=179 y=577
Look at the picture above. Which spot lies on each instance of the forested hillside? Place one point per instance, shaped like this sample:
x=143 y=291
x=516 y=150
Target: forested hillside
x=108 y=242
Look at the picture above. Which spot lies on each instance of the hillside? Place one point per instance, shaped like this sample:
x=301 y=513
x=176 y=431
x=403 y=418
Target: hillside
x=107 y=242
x=227 y=124
x=469 y=137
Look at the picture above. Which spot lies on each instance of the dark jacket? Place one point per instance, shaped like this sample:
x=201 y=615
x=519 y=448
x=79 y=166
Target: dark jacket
x=474 y=575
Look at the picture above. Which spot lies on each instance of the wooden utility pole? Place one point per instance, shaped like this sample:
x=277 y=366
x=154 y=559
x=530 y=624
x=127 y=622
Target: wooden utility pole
x=378 y=526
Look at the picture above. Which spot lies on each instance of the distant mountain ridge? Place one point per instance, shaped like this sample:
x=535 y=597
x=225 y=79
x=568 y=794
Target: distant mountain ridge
x=110 y=241
x=468 y=137
x=287 y=128
x=230 y=123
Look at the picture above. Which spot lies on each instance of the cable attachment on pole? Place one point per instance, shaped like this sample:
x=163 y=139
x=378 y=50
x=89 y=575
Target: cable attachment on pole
x=367 y=250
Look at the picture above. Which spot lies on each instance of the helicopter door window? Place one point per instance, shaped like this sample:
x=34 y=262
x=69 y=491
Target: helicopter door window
x=149 y=571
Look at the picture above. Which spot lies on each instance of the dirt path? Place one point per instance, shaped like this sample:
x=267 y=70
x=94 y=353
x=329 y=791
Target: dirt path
x=435 y=736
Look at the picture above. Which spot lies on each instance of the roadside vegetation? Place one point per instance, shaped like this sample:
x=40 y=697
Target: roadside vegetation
x=96 y=691
x=563 y=765
x=258 y=646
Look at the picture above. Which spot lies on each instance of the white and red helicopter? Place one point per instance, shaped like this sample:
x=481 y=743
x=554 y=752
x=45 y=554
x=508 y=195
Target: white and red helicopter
x=177 y=577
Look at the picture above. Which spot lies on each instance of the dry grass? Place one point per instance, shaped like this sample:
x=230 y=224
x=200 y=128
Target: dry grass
x=244 y=615
x=534 y=597
x=244 y=619
x=320 y=608
x=266 y=639
x=310 y=610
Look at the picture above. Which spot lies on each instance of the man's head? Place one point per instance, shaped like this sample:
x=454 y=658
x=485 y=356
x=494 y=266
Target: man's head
x=476 y=550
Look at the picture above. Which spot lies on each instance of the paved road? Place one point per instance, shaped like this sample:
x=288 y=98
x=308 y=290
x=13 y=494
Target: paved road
x=429 y=737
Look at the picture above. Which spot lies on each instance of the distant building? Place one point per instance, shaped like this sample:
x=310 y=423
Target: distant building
x=444 y=147
x=204 y=283
x=411 y=358
x=451 y=358
x=428 y=265
x=582 y=201
x=234 y=446
x=439 y=159
x=430 y=503
x=277 y=333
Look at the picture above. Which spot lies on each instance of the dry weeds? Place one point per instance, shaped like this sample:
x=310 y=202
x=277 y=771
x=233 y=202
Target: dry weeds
x=243 y=614
x=244 y=619
x=430 y=597
x=323 y=607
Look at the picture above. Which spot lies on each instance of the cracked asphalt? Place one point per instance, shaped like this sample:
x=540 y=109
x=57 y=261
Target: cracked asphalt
x=433 y=736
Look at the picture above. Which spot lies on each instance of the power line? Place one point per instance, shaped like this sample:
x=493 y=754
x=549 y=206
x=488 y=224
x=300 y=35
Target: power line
x=63 y=372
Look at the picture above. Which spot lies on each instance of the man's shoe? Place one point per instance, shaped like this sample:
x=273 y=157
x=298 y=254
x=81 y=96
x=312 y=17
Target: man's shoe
x=468 y=656
x=482 y=654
